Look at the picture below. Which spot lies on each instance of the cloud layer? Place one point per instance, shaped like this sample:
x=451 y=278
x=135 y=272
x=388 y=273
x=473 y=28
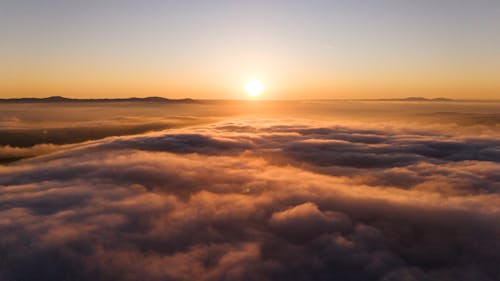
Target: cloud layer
x=257 y=200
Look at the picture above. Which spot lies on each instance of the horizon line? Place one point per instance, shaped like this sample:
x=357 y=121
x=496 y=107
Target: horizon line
x=188 y=99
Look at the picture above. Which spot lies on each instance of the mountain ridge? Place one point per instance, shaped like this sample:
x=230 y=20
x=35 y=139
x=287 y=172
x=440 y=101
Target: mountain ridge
x=62 y=99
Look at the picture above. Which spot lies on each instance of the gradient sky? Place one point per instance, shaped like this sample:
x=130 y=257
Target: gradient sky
x=208 y=49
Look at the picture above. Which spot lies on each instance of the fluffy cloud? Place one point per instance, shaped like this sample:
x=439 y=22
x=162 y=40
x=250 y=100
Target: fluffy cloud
x=256 y=200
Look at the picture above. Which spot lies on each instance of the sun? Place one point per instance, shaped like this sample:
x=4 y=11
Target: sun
x=254 y=88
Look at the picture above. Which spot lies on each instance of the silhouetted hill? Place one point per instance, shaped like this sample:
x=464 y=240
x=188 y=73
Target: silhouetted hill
x=59 y=99
x=417 y=99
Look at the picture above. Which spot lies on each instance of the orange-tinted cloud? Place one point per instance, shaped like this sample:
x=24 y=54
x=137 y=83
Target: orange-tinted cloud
x=256 y=200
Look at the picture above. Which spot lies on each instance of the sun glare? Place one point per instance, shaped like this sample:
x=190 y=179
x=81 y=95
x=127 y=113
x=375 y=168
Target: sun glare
x=254 y=88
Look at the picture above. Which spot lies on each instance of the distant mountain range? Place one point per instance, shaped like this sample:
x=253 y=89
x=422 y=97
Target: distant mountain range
x=422 y=99
x=417 y=99
x=59 y=99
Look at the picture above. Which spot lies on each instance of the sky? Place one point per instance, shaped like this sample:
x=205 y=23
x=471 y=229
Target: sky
x=208 y=49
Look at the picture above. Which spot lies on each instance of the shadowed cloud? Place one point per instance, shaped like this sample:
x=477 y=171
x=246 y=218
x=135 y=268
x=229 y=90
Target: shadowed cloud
x=252 y=200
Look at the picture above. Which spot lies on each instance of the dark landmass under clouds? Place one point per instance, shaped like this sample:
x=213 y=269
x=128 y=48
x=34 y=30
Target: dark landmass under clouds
x=67 y=135
x=267 y=191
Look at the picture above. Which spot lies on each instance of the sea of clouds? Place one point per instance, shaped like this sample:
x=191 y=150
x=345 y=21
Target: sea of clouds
x=256 y=199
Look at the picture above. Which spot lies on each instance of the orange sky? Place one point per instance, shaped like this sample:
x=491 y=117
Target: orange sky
x=299 y=50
